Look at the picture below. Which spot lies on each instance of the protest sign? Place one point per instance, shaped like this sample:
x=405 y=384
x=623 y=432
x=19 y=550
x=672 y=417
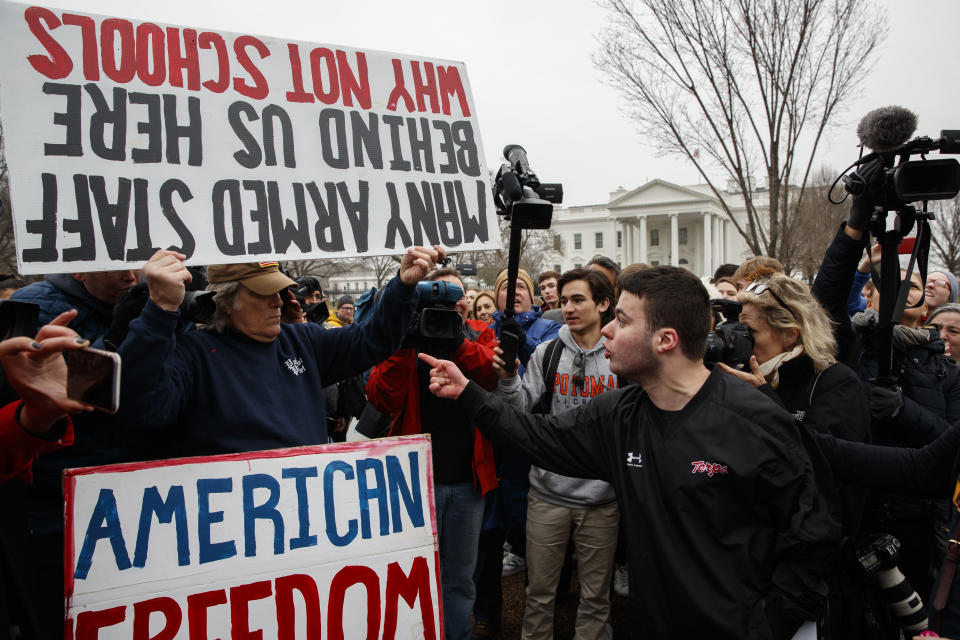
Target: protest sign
x=335 y=541
x=123 y=137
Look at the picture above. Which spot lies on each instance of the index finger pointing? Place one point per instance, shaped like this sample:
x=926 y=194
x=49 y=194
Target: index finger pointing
x=430 y=360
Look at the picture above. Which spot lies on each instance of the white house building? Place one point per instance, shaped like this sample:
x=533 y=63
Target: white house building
x=658 y=223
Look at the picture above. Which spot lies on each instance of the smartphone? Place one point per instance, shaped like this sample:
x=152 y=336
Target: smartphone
x=510 y=344
x=93 y=376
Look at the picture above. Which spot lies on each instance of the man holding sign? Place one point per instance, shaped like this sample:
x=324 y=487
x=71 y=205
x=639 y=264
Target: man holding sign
x=249 y=382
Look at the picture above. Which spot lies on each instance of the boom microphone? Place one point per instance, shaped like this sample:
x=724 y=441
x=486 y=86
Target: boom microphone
x=887 y=128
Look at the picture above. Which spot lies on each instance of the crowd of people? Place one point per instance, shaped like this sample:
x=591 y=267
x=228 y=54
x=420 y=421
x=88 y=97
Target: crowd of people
x=739 y=499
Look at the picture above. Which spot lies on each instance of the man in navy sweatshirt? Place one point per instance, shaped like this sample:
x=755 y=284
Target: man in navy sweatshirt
x=247 y=381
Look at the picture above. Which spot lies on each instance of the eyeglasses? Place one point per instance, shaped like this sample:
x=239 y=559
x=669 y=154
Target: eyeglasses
x=757 y=287
x=578 y=378
x=346 y=308
x=938 y=283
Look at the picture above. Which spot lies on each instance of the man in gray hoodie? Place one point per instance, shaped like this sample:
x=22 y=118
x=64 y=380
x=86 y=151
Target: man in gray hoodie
x=578 y=371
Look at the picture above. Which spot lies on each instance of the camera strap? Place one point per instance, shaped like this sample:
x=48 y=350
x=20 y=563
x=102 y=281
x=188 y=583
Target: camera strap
x=918 y=259
x=551 y=361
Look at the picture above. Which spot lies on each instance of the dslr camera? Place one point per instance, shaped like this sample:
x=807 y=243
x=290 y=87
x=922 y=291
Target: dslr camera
x=436 y=328
x=878 y=559
x=730 y=342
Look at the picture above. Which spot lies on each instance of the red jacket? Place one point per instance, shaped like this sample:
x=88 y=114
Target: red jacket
x=393 y=389
x=18 y=448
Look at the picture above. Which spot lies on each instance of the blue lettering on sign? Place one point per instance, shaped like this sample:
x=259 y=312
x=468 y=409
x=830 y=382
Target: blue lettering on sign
x=366 y=494
x=300 y=474
x=166 y=510
x=104 y=523
x=211 y=551
x=412 y=498
x=266 y=511
x=328 y=505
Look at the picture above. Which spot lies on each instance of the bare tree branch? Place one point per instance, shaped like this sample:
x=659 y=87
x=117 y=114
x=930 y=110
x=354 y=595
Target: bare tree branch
x=749 y=85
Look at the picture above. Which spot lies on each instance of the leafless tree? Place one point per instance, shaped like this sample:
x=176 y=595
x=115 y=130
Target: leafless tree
x=945 y=239
x=812 y=227
x=746 y=87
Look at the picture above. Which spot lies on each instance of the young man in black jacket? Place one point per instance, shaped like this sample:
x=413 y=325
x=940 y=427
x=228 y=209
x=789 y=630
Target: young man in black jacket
x=728 y=532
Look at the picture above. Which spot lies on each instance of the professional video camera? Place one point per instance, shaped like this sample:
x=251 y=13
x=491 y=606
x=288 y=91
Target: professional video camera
x=879 y=561
x=436 y=328
x=892 y=183
x=522 y=199
x=520 y=196
x=731 y=342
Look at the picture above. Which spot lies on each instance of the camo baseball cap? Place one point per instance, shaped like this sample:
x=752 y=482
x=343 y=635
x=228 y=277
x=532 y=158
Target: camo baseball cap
x=263 y=278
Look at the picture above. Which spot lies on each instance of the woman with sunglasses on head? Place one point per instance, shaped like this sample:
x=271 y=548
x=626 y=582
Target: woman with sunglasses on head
x=794 y=361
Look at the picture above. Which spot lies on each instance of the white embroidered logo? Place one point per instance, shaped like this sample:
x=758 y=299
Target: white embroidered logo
x=295 y=365
x=634 y=460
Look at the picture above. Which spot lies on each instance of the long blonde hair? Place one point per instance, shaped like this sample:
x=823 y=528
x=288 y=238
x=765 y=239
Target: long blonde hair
x=811 y=322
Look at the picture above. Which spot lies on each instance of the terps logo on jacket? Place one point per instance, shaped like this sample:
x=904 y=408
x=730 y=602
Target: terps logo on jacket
x=709 y=468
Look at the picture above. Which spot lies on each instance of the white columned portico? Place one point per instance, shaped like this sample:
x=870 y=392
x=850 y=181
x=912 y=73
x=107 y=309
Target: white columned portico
x=675 y=239
x=627 y=249
x=643 y=239
x=612 y=248
x=708 y=265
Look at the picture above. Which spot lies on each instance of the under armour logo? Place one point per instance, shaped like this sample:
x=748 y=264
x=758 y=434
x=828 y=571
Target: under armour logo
x=295 y=365
x=634 y=460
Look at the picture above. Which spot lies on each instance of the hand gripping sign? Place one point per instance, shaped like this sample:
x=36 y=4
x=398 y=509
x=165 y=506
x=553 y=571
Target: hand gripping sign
x=335 y=541
x=123 y=137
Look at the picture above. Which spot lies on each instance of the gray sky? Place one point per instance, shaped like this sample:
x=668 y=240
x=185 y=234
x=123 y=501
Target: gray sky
x=534 y=84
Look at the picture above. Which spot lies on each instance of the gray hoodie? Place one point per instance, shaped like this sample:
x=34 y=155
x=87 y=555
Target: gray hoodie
x=523 y=394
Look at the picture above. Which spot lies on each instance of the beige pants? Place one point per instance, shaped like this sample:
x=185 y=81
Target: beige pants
x=595 y=541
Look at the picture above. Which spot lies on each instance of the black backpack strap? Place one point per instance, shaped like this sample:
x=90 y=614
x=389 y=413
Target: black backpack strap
x=551 y=360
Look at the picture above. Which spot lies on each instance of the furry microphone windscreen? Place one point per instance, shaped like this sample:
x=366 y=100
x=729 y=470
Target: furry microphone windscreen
x=886 y=128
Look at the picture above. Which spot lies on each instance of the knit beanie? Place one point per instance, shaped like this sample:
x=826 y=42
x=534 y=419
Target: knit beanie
x=954 y=286
x=521 y=274
x=950 y=306
x=344 y=300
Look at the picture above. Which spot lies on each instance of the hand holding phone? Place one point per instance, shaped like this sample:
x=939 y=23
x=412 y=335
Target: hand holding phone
x=511 y=337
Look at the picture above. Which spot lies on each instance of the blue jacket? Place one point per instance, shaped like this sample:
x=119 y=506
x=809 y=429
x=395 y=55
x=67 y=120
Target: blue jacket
x=225 y=393
x=537 y=330
x=59 y=293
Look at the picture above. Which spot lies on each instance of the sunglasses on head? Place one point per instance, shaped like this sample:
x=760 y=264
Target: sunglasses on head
x=758 y=287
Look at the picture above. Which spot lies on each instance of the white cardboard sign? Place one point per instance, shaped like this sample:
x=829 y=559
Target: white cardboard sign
x=335 y=541
x=123 y=137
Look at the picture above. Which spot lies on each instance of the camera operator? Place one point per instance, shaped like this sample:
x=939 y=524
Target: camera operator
x=925 y=401
x=463 y=465
x=794 y=362
x=729 y=535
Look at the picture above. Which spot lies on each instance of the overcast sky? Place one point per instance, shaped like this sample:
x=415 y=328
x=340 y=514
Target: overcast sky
x=534 y=84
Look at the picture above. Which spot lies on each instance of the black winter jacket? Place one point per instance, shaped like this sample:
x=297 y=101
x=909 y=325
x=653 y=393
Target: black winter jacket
x=832 y=402
x=728 y=533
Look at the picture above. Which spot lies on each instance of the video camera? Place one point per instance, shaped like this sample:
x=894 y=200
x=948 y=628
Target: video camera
x=520 y=196
x=731 y=342
x=436 y=327
x=890 y=181
x=527 y=203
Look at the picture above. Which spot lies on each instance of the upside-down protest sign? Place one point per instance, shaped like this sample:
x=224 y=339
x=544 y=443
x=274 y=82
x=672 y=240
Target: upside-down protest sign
x=333 y=541
x=123 y=137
